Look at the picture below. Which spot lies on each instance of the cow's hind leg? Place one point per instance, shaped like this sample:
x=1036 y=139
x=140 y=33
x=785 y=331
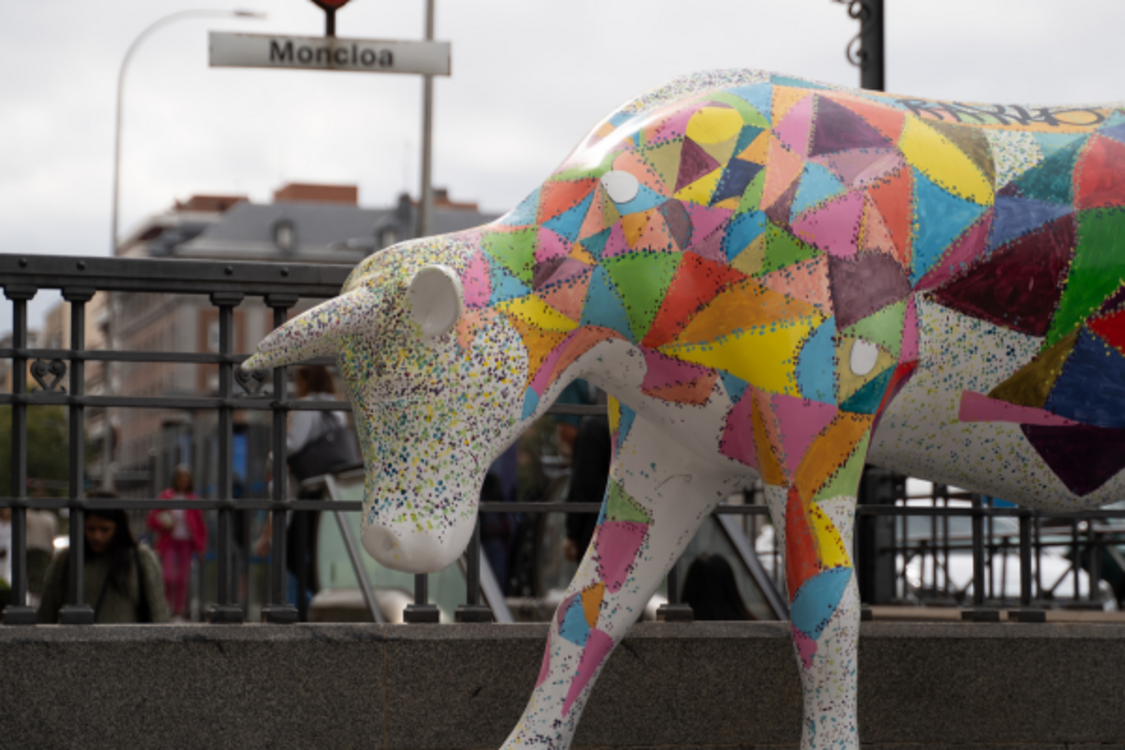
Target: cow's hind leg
x=656 y=498
x=814 y=511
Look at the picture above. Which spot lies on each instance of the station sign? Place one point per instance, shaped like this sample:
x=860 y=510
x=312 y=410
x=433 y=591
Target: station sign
x=229 y=50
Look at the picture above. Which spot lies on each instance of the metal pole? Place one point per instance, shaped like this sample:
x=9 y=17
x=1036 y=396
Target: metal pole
x=120 y=86
x=426 y=207
x=17 y=612
x=75 y=611
x=472 y=610
x=871 y=69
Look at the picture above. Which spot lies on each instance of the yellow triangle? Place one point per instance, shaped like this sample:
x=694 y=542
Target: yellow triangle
x=935 y=156
x=764 y=356
x=833 y=552
x=538 y=313
x=610 y=214
x=539 y=343
x=722 y=151
x=744 y=305
x=702 y=189
x=848 y=382
x=580 y=254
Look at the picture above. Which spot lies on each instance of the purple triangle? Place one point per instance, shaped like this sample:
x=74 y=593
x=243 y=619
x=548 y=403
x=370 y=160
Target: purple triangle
x=1082 y=457
x=694 y=163
x=1116 y=132
x=1114 y=301
x=1015 y=217
x=837 y=128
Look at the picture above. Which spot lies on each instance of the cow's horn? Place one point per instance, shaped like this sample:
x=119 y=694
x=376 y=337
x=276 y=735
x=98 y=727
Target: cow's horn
x=317 y=331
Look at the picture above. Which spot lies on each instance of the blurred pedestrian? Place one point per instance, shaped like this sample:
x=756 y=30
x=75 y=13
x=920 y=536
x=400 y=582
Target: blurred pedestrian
x=712 y=591
x=122 y=579
x=180 y=533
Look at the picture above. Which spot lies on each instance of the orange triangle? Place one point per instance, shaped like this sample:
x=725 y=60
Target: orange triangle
x=656 y=237
x=743 y=305
x=595 y=216
x=876 y=236
x=695 y=392
x=758 y=150
x=695 y=284
x=801 y=559
x=782 y=167
x=830 y=450
x=893 y=197
x=583 y=340
x=633 y=225
x=784 y=98
x=558 y=197
x=538 y=342
x=582 y=255
x=806 y=281
x=471 y=322
x=569 y=296
x=887 y=120
x=769 y=465
x=592 y=602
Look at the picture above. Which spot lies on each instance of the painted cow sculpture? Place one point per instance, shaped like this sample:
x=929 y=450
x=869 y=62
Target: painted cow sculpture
x=771 y=277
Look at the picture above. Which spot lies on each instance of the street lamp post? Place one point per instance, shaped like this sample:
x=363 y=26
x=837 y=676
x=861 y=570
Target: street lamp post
x=120 y=84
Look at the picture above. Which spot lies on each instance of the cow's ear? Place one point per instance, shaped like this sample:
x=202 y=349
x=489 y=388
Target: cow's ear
x=436 y=299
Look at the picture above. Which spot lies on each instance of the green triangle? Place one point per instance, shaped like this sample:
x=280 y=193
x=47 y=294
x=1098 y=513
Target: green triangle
x=752 y=196
x=883 y=327
x=619 y=506
x=867 y=399
x=1052 y=179
x=783 y=250
x=846 y=479
x=643 y=279
x=750 y=115
x=515 y=251
x=1097 y=271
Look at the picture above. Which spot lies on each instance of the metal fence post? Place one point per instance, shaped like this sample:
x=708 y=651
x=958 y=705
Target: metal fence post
x=277 y=610
x=225 y=610
x=421 y=611
x=675 y=610
x=76 y=611
x=472 y=610
x=17 y=612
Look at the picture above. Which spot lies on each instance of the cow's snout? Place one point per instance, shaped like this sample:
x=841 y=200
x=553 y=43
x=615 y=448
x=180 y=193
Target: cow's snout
x=412 y=551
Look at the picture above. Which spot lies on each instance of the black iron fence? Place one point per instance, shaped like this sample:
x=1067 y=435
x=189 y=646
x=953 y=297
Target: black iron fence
x=61 y=374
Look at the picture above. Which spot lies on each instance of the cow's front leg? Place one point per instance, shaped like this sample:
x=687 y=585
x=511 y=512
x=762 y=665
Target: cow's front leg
x=815 y=512
x=657 y=496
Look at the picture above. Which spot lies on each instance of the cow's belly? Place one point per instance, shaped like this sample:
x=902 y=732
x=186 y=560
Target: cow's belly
x=920 y=434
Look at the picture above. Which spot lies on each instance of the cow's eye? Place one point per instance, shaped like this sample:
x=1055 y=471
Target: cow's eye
x=621 y=187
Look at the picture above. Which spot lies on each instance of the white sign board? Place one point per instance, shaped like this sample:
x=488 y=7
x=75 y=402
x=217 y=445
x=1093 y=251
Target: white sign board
x=328 y=53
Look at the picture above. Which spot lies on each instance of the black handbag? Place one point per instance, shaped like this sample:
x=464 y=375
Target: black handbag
x=333 y=447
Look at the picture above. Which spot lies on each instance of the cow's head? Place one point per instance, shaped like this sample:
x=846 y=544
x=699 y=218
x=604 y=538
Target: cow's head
x=436 y=393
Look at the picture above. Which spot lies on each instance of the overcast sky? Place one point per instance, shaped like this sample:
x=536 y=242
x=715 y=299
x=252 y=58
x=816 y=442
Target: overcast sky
x=529 y=78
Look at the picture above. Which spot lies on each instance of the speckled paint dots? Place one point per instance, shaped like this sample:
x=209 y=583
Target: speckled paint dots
x=772 y=277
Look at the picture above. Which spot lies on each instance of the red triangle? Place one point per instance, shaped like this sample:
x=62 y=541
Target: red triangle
x=886 y=120
x=801 y=561
x=1099 y=174
x=1111 y=328
x=558 y=197
x=876 y=236
x=695 y=392
x=696 y=283
x=893 y=196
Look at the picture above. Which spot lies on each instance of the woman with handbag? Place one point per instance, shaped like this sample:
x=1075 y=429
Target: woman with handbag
x=122 y=578
x=180 y=533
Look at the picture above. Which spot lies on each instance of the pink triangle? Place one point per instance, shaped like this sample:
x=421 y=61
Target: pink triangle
x=618 y=543
x=960 y=256
x=860 y=167
x=795 y=127
x=976 y=407
x=656 y=237
x=632 y=163
x=834 y=228
x=910 y=333
x=738 y=435
x=598 y=646
x=676 y=125
x=806 y=647
x=477 y=281
x=807 y=280
x=543 y=375
x=711 y=247
x=800 y=421
x=616 y=244
x=705 y=220
x=662 y=370
x=549 y=245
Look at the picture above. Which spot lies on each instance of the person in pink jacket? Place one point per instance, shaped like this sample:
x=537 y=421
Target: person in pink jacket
x=179 y=533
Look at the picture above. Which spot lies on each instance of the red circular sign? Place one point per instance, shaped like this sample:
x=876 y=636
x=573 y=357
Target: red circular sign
x=331 y=4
